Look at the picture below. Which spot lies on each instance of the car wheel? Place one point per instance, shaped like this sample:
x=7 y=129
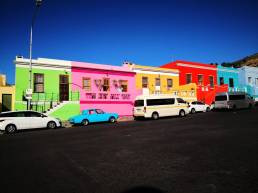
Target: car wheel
x=155 y=116
x=208 y=109
x=10 y=128
x=181 y=113
x=234 y=107
x=250 y=106
x=192 y=110
x=85 y=122
x=112 y=119
x=51 y=125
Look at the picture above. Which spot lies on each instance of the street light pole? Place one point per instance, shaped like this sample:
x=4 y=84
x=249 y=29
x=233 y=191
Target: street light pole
x=38 y=3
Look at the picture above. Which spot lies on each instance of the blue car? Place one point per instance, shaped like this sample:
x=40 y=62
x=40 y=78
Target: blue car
x=93 y=116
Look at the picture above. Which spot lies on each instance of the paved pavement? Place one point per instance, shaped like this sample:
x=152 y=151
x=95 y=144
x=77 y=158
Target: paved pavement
x=214 y=152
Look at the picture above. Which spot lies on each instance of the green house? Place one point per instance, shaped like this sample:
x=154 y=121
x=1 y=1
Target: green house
x=51 y=87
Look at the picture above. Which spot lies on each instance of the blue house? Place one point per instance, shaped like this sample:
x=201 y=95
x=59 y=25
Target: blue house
x=248 y=78
x=229 y=76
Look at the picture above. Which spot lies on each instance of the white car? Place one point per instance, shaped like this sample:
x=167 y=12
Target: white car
x=198 y=106
x=16 y=120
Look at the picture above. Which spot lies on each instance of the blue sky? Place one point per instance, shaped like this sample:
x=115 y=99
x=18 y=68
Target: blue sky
x=147 y=32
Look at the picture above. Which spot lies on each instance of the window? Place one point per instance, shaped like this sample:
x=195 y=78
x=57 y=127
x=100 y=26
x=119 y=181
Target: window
x=32 y=114
x=139 y=103
x=200 y=79
x=221 y=80
x=236 y=97
x=221 y=98
x=157 y=82
x=39 y=83
x=156 y=102
x=199 y=103
x=249 y=80
x=188 y=78
x=106 y=84
x=92 y=112
x=124 y=85
x=231 y=82
x=169 y=83
x=144 y=82
x=99 y=111
x=211 y=81
x=86 y=84
x=179 y=100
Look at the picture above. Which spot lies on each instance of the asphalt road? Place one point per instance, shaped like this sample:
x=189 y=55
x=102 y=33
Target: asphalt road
x=214 y=152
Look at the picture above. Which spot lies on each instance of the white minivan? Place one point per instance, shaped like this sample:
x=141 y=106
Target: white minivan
x=155 y=106
x=233 y=100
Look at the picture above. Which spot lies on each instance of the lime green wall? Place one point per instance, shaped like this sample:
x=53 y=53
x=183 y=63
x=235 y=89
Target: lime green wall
x=67 y=111
x=51 y=85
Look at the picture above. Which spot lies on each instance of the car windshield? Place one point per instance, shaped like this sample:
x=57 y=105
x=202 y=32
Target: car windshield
x=221 y=98
x=99 y=111
x=139 y=103
x=179 y=100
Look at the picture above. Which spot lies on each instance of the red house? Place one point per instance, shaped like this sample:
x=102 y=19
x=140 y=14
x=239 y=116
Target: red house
x=204 y=75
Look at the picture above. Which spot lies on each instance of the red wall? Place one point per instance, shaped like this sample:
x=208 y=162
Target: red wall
x=197 y=68
x=204 y=92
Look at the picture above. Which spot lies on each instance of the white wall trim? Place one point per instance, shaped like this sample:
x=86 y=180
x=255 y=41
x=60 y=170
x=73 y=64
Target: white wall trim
x=34 y=66
x=196 y=66
x=155 y=72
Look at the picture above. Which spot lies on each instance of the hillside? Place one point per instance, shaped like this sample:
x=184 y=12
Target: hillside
x=251 y=60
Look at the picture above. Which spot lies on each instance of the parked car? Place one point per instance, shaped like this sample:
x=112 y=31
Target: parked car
x=233 y=100
x=16 y=120
x=92 y=116
x=198 y=106
x=154 y=106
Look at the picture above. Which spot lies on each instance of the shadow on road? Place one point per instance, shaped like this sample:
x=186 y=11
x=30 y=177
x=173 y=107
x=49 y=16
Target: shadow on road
x=143 y=189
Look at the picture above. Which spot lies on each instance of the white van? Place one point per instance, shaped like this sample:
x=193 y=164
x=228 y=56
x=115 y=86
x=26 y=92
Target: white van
x=155 y=106
x=233 y=100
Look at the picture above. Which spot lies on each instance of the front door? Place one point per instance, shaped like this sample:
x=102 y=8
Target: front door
x=64 y=87
x=6 y=102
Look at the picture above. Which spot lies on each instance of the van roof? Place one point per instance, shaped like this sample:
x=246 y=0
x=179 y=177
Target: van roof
x=161 y=96
x=231 y=93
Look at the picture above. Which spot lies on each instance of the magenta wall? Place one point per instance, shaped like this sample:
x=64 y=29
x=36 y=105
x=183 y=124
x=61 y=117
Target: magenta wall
x=110 y=101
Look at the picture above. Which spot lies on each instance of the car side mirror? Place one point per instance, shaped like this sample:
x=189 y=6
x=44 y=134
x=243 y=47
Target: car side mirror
x=43 y=116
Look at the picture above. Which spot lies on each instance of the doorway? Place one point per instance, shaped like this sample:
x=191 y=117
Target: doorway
x=63 y=87
x=6 y=102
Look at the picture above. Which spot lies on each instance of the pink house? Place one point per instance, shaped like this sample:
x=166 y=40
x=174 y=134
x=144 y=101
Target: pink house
x=111 y=88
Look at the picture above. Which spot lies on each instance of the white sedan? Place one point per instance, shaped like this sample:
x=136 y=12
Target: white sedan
x=16 y=120
x=198 y=106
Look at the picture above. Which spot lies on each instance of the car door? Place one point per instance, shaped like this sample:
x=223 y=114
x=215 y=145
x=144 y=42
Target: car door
x=34 y=119
x=102 y=116
x=201 y=106
x=93 y=116
x=20 y=120
x=193 y=105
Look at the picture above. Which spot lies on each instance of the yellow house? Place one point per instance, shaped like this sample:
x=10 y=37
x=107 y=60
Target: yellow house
x=154 y=80
x=7 y=95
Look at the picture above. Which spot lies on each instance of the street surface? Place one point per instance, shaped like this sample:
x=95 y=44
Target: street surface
x=215 y=152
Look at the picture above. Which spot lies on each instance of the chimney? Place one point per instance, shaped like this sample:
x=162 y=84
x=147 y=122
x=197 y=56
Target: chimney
x=2 y=80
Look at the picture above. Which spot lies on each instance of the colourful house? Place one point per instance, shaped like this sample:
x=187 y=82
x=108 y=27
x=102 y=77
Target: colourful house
x=228 y=76
x=248 y=78
x=203 y=75
x=111 y=88
x=7 y=95
x=51 y=85
x=154 y=80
